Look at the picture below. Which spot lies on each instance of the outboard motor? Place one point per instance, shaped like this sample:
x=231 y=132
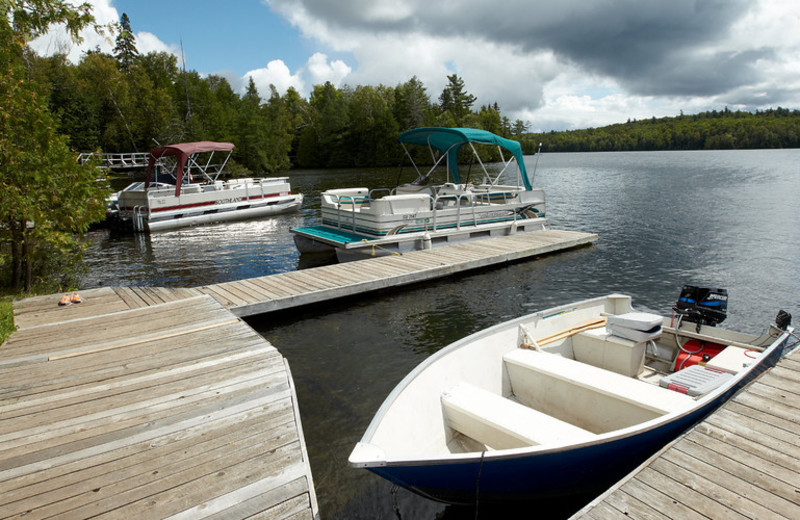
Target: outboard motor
x=783 y=320
x=702 y=305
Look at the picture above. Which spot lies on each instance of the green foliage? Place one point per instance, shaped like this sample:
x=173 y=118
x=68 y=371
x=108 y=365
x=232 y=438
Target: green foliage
x=46 y=198
x=455 y=103
x=103 y=103
x=715 y=130
x=6 y=318
x=23 y=20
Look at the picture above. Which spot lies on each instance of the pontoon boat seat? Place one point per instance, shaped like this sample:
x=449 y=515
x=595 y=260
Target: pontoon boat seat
x=501 y=423
x=450 y=194
x=348 y=197
x=401 y=204
x=592 y=398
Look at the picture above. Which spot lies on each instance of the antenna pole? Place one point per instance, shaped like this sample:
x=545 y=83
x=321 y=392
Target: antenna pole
x=538 y=152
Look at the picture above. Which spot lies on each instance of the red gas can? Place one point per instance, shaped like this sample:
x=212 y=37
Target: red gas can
x=700 y=352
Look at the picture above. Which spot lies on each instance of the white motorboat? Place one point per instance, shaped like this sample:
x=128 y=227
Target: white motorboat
x=171 y=199
x=359 y=222
x=561 y=402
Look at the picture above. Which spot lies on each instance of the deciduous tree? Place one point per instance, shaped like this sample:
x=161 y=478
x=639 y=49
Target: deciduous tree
x=46 y=196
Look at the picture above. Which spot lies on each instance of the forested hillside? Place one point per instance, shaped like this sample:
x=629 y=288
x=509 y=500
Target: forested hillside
x=715 y=130
x=126 y=102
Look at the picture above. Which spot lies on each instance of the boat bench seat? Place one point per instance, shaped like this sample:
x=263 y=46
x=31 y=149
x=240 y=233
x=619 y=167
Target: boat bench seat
x=501 y=423
x=554 y=384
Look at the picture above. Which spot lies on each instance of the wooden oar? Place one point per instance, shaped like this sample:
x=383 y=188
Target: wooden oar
x=591 y=324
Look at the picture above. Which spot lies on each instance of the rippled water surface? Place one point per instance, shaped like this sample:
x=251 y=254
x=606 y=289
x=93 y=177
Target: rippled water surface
x=721 y=219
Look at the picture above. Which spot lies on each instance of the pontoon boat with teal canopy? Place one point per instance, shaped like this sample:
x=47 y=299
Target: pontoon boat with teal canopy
x=426 y=213
x=448 y=141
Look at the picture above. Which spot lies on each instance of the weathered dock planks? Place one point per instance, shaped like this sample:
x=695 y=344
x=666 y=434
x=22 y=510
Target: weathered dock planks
x=174 y=410
x=319 y=284
x=147 y=402
x=743 y=461
x=297 y=288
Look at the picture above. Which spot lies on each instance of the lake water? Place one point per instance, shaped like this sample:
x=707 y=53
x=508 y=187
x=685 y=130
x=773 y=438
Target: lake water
x=727 y=219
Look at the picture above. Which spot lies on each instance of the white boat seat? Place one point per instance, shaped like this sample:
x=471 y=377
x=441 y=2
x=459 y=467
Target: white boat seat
x=590 y=397
x=500 y=423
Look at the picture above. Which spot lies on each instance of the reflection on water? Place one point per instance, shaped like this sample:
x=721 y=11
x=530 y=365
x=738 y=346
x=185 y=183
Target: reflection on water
x=193 y=256
x=722 y=219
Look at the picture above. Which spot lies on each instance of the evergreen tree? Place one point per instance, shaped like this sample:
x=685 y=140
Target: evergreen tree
x=252 y=131
x=455 y=100
x=412 y=104
x=280 y=132
x=519 y=128
x=125 y=51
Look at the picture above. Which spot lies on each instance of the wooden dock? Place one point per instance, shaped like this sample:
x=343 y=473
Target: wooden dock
x=139 y=409
x=741 y=462
x=319 y=284
x=148 y=402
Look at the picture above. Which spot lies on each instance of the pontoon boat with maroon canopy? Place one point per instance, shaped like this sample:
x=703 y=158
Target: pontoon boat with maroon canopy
x=169 y=198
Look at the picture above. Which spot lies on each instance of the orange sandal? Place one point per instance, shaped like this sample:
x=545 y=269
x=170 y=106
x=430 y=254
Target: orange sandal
x=65 y=300
x=76 y=298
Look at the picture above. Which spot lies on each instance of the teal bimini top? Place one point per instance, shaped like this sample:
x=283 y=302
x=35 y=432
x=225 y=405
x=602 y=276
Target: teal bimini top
x=450 y=141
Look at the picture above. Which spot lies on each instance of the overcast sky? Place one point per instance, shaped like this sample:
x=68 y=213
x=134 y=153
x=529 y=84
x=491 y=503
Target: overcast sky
x=559 y=65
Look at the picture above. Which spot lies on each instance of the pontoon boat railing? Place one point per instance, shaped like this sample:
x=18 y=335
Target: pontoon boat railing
x=458 y=197
x=138 y=217
x=348 y=203
x=372 y=192
x=339 y=210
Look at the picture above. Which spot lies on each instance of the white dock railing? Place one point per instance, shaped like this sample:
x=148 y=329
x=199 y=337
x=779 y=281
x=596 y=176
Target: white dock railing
x=117 y=160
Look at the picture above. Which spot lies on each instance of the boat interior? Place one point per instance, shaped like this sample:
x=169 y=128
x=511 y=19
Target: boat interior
x=589 y=381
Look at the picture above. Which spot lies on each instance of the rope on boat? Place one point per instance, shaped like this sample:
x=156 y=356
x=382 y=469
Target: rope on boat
x=591 y=324
x=395 y=506
x=375 y=246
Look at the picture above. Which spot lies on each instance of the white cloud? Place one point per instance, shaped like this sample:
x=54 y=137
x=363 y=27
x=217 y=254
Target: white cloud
x=148 y=42
x=558 y=65
x=567 y=65
x=57 y=40
x=275 y=73
x=319 y=70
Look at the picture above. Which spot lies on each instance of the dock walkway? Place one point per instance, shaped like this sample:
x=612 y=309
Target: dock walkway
x=743 y=461
x=319 y=284
x=165 y=410
x=297 y=288
x=148 y=402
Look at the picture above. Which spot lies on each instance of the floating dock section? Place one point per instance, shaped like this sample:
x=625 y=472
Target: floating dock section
x=743 y=461
x=297 y=288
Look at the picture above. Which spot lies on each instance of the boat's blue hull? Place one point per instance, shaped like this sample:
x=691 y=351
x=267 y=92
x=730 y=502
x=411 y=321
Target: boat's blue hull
x=552 y=474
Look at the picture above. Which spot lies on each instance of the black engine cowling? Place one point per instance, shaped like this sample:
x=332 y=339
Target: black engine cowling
x=702 y=305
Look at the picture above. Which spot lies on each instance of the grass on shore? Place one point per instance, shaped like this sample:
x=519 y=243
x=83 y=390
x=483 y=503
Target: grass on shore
x=6 y=318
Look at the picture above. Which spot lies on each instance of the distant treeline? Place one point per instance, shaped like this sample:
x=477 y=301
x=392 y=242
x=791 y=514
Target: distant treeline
x=715 y=130
x=127 y=102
